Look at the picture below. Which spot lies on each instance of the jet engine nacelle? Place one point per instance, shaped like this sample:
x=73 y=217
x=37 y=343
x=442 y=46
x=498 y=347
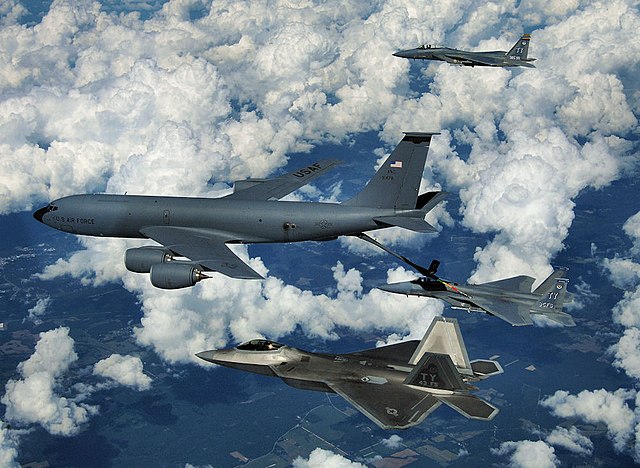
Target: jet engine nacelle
x=175 y=275
x=141 y=259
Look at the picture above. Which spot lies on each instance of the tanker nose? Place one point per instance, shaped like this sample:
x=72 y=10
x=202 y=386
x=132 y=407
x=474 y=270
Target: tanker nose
x=38 y=214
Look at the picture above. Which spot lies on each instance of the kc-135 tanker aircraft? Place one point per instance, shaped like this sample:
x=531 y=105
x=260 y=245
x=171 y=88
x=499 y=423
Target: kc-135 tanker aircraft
x=396 y=386
x=516 y=57
x=200 y=228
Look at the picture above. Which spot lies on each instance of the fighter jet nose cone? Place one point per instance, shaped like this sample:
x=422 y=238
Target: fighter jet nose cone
x=399 y=288
x=404 y=54
x=206 y=355
x=38 y=214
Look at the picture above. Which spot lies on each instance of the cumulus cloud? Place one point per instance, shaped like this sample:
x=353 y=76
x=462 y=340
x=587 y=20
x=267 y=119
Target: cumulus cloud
x=8 y=448
x=624 y=271
x=179 y=324
x=393 y=442
x=38 y=309
x=632 y=228
x=598 y=406
x=320 y=458
x=92 y=101
x=571 y=440
x=536 y=138
x=627 y=352
x=528 y=453
x=612 y=407
x=149 y=100
x=125 y=370
x=525 y=193
x=33 y=399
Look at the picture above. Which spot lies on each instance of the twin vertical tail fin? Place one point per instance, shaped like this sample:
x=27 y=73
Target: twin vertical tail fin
x=441 y=361
x=520 y=51
x=554 y=295
x=436 y=372
x=443 y=337
x=396 y=184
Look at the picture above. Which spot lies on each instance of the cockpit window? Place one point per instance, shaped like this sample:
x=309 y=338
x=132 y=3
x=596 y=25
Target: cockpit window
x=259 y=345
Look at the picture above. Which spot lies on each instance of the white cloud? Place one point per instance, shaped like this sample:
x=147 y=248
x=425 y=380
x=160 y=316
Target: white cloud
x=632 y=228
x=611 y=408
x=393 y=442
x=624 y=272
x=149 y=100
x=597 y=406
x=627 y=352
x=528 y=453
x=526 y=165
x=179 y=324
x=33 y=399
x=8 y=448
x=320 y=458
x=125 y=370
x=92 y=101
x=38 y=309
x=525 y=194
x=571 y=439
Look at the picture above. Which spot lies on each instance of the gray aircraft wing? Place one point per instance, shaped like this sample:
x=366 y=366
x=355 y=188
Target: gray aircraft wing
x=516 y=314
x=399 y=352
x=457 y=59
x=477 y=59
x=205 y=247
x=520 y=283
x=389 y=406
x=274 y=189
x=470 y=406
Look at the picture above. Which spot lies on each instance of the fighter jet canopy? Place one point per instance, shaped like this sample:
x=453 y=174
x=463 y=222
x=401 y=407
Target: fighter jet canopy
x=259 y=345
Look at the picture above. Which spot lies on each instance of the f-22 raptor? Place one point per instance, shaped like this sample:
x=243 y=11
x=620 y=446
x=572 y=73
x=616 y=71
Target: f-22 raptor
x=396 y=386
x=199 y=229
x=510 y=299
x=516 y=57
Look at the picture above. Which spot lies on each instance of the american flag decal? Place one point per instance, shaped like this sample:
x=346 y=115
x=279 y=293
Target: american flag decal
x=396 y=164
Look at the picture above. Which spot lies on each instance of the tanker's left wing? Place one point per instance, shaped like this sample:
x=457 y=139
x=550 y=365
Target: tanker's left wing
x=205 y=247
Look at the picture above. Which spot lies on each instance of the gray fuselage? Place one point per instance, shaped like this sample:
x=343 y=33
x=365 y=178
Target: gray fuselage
x=463 y=295
x=245 y=221
x=495 y=58
x=305 y=370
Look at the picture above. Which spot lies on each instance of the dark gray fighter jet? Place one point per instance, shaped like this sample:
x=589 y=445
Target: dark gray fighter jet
x=199 y=229
x=510 y=299
x=396 y=386
x=516 y=57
